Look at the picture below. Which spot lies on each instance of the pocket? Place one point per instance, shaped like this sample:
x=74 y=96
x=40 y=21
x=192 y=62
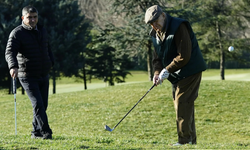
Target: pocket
x=24 y=83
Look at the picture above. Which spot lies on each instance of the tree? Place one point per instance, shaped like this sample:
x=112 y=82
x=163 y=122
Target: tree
x=241 y=14
x=69 y=34
x=214 y=23
x=217 y=30
x=138 y=42
x=103 y=61
x=10 y=15
x=97 y=11
x=67 y=28
x=127 y=17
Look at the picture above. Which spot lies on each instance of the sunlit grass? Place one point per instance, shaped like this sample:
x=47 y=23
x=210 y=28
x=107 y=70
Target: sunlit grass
x=78 y=118
x=75 y=84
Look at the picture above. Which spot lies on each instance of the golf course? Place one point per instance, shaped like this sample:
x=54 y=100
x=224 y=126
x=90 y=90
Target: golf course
x=78 y=117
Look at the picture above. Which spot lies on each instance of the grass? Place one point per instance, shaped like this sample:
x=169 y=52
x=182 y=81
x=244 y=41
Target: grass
x=74 y=84
x=230 y=74
x=78 y=118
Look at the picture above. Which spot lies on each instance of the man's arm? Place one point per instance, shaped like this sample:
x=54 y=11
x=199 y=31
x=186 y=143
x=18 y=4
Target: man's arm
x=184 y=49
x=11 y=52
x=157 y=64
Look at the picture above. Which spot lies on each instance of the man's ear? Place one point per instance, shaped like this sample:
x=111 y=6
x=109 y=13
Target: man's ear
x=22 y=17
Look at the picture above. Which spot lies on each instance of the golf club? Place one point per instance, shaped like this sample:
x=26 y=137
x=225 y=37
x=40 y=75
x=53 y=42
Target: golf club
x=14 y=92
x=109 y=129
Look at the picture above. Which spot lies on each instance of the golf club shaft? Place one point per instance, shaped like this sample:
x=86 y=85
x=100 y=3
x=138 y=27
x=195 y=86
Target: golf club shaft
x=15 y=120
x=14 y=92
x=133 y=106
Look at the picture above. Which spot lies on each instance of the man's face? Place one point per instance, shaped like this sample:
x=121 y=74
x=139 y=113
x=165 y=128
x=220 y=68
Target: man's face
x=30 y=19
x=157 y=25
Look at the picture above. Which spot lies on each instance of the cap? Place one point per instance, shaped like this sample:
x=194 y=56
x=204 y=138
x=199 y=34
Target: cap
x=152 y=13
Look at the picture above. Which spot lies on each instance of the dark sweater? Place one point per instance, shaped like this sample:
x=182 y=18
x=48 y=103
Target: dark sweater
x=28 y=50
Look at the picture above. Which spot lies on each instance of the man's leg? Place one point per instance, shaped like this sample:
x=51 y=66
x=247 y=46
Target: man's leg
x=185 y=121
x=44 y=90
x=40 y=121
x=184 y=94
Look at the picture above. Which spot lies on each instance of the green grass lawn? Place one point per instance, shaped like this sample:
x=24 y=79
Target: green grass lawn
x=230 y=74
x=73 y=84
x=78 y=118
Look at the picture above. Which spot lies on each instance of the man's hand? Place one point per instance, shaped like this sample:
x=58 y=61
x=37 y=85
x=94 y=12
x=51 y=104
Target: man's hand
x=13 y=72
x=162 y=76
x=155 y=79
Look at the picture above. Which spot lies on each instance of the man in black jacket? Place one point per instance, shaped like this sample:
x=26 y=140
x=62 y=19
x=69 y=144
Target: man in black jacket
x=29 y=58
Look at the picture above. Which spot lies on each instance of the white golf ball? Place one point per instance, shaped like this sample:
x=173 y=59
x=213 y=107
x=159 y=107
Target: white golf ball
x=230 y=48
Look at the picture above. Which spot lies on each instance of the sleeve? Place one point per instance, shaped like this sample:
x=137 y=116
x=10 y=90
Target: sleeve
x=157 y=64
x=184 y=49
x=11 y=51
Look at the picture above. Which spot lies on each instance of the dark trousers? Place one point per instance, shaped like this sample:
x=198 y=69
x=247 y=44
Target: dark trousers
x=184 y=94
x=37 y=89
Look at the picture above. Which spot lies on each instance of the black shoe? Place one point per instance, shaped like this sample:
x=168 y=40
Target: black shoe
x=47 y=136
x=36 y=136
x=41 y=136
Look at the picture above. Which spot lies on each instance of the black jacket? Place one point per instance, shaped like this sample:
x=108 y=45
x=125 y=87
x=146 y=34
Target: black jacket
x=29 y=51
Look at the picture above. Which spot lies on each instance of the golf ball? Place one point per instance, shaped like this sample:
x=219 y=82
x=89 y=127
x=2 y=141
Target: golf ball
x=230 y=48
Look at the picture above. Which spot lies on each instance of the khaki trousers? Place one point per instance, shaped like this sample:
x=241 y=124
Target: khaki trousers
x=184 y=94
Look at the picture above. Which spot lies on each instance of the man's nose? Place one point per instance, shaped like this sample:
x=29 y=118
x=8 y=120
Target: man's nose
x=32 y=19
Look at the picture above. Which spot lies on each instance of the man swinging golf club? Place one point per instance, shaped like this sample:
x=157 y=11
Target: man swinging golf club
x=177 y=50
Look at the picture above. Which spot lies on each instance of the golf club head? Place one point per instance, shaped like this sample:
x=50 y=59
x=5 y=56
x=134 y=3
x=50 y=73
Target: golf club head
x=108 y=128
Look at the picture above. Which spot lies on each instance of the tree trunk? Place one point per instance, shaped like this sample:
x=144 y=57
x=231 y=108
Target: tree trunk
x=54 y=81
x=222 y=65
x=149 y=60
x=222 y=54
x=84 y=77
x=10 y=85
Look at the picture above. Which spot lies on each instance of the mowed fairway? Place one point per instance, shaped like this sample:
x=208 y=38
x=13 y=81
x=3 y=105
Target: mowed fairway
x=78 y=118
x=73 y=85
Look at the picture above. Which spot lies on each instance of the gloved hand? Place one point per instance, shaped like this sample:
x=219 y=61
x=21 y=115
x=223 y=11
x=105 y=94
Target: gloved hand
x=163 y=75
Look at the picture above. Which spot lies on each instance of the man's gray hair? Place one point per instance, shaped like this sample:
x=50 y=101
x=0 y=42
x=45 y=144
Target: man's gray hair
x=29 y=9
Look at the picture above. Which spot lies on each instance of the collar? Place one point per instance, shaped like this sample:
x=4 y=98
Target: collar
x=28 y=27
